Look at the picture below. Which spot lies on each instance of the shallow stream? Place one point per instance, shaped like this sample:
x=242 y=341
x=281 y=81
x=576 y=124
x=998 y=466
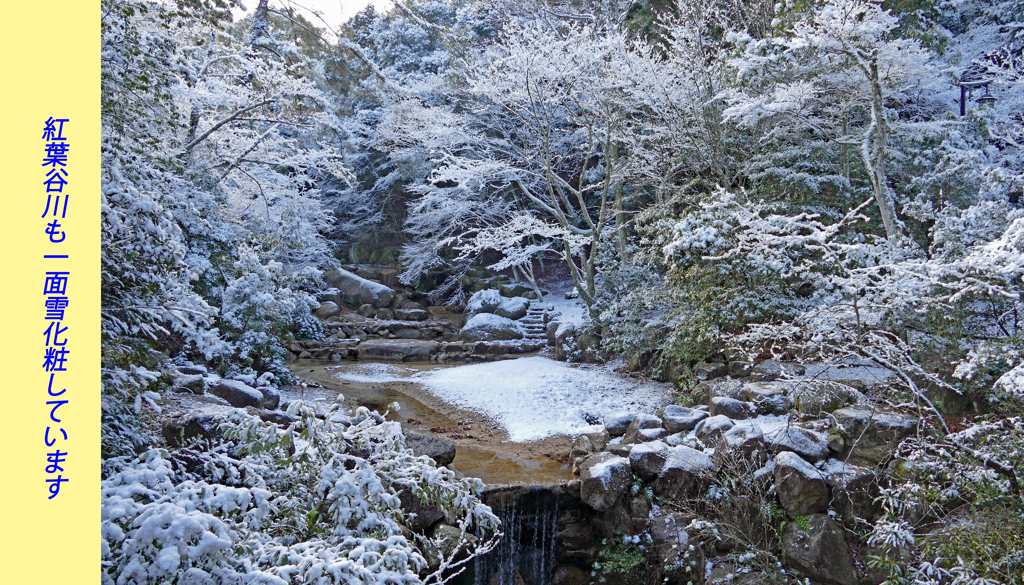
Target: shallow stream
x=482 y=447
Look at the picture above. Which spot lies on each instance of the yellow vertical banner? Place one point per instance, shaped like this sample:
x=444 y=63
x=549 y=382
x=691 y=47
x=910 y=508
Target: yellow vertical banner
x=50 y=158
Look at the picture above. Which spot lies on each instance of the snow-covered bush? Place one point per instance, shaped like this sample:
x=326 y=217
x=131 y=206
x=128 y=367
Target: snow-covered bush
x=967 y=486
x=314 y=503
x=260 y=307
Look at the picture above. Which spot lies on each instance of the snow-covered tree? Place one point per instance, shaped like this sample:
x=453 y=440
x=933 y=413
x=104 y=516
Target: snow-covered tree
x=540 y=126
x=835 y=75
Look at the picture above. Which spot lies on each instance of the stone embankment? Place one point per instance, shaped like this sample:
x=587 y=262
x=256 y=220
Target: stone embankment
x=366 y=320
x=771 y=458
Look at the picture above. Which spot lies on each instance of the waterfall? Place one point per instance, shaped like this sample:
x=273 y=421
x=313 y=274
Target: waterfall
x=526 y=552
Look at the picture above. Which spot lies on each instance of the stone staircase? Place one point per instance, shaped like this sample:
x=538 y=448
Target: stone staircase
x=534 y=322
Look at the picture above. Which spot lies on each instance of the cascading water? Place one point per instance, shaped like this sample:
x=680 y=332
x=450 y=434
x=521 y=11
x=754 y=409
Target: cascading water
x=526 y=552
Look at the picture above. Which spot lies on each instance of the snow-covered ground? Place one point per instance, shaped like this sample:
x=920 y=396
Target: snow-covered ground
x=536 y=397
x=571 y=311
x=373 y=372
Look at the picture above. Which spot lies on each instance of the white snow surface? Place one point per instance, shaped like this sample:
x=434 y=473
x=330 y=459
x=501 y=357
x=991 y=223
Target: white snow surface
x=491 y=321
x=536 y=397
x=372 y=372
x=571 y=311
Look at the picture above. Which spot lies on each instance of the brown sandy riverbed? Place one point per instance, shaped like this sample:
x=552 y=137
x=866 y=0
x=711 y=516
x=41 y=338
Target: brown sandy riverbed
x=482 y=447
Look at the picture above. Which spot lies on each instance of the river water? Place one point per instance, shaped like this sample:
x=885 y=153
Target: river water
x=483 y=449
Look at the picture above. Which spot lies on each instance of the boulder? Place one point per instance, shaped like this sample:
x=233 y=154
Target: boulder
x=442 y=451
x=872 y=436
x=801 y=488
x=740 y=369
x=640 y=422
x=354 y=290
x=807 y=444
x=451 y=543
x=599 y=439
x=706 y=371
x=407 y=334
x=712 y=388
x=271 y=397
x=188 y=383
x=273 y=416
x=424 y=515
x=758 y=391
x=490 y=327
x=485 y=301
x=684 y=438
x=818 y=397
x=769 y=370
x=678 y=419
x=604 y=478
x=582 y=447
x=366 y=310
x=179 y=429
x=644 y=435
x=684 y=472
x=617 y=423
x=570 y=575
x=411 y=314
x=237 y=393
x=647 y=459
x=742 y=441
x=327 y=310
x=550 y=330
x=385 y=314
x=710 y=429
x=514 y=308
x=819 y=551
x=854 y=491
x=397 y=350
x=732 y=408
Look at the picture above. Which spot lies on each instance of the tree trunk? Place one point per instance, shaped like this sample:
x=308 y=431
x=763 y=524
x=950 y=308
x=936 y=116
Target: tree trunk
x=876 y=140
x=260 y=22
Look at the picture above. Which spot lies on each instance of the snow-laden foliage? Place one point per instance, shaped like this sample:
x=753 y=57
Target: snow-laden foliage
x=974 y=470
x=536 y=128
x=316 y=503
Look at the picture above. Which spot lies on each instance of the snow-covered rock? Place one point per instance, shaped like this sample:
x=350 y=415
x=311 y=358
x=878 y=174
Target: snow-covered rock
x=711 y=428
x=514 y=308
x=744 y=441
x=683 y=473
x=355 y=290
x=617 y=423
x=872 y=436
x=647 y=459
x=603 y=480
x=802 y=489
x=237 y=393
x=640 y=422
x=807 y=444
x=490 y=327
x=732 y=408
x=484 y=301
x=679 y=419
x=397 y=350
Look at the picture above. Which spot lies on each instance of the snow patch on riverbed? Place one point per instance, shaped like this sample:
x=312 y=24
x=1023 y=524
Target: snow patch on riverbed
x=535 y=397
x=372 y=373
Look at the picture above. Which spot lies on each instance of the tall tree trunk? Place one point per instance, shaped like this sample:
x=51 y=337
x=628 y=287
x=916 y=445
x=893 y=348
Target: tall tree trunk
x=876 y=140
x=260 y=22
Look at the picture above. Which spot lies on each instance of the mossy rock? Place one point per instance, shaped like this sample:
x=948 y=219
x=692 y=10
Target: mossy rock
x=513 y=290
